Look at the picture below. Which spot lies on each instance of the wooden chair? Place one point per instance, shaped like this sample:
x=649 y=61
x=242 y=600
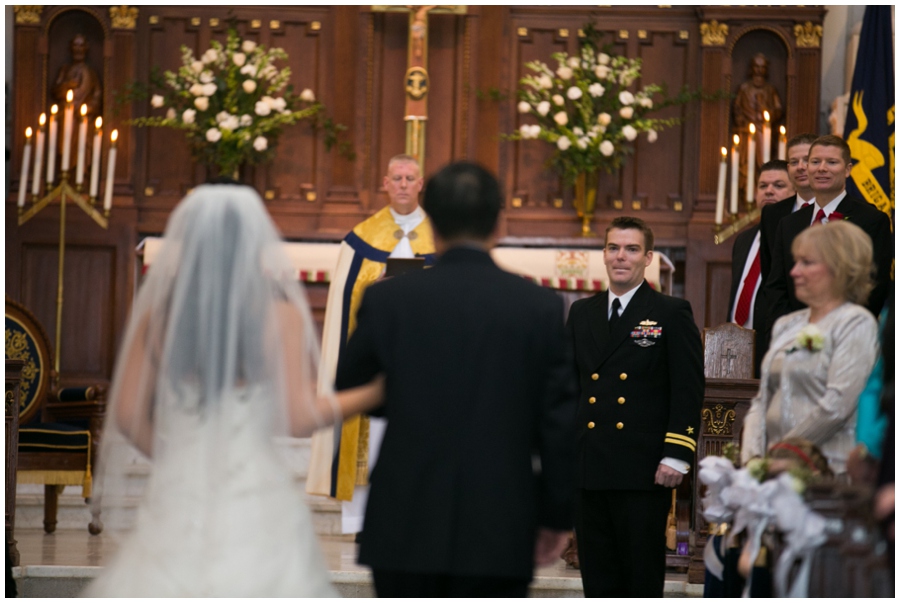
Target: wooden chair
x=59 y=429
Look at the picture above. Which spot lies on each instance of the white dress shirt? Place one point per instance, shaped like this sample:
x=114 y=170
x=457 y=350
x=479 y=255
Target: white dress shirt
x=830 y=208
x=407 y=224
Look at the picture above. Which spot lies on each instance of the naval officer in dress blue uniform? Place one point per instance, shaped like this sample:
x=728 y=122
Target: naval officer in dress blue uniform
x=640 y=367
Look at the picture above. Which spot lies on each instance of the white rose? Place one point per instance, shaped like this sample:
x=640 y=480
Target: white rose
x=209 y=89
x=239 y=58
x=543 y=107
x=574 y=93
x=626 y=112
x=581 y=143
x=156 y=101
x=188 y=116
x=535 y=130
x=307 y=96
x=222 y=116
x=577 y=131
x=652 y=135
x=558 y=99
x=196 y=90
x=171 y=113
x=629 y=133
x=545 y=82
x=197 y=66
x=596 y=89
x=603 y=58
x=262 y=108
x=260 y=143
x=626 y=97
x=278 y=104
x=604 y=118
x=525 y=131
x=561 y=118
x=563 y=143
x=210 y=56
x=213 y=135
x=248 y=46
x=574 y=62
x=523 y=107
x=564 y=72
x=607 y=148
x=268 y=72
x=601 y=129
x=601 y=71
x=206 y=77
x=202 y=103
x=646 y=102
x=231 y=123
x=249 y=86
x=246 y=120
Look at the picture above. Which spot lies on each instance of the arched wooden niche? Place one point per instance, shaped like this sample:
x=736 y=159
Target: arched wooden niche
x=63 y=60
x=744 y=52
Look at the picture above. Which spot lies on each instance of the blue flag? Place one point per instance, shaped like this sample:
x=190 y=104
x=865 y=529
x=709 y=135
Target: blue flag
x=869 y=129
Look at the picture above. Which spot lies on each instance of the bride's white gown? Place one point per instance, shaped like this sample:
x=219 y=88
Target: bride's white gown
x=221 y=516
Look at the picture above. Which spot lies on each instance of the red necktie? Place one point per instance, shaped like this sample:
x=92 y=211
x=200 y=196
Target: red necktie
x=820 y=217
x=742 y=311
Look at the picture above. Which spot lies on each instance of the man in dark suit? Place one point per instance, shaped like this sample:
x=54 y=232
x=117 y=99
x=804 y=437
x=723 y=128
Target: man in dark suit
x=829 y=168
x=639 y=362
x=746 y=307
x=475 y=478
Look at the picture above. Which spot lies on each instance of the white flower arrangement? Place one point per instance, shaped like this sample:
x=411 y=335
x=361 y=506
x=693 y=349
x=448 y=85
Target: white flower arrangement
x=809 y=338
x=232 y=103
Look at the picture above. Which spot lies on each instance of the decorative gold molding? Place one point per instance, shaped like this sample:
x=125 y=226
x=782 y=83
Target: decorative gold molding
x=642 y=34
x=808 y=35
x=270 y=194
x=274 y=24
x=213 y=22
x=315 y=26
x=516 y=202
x=149 y=191
x=683 y=34
x=123 y=16
x=580 y=33
x=563 y=33
x=713 y=33
x=311 y=196
x=558 y=203
x=718 y=420
x=195 y=21
x=617 y=203
x=678 y=206
x=623 y=34
x=522 y=31
x=28 y=14
x=154 y=20
x=636 y=205
x=255 y=24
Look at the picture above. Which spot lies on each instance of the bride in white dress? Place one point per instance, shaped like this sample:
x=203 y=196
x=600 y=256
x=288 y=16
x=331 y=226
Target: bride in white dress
x=219 y=360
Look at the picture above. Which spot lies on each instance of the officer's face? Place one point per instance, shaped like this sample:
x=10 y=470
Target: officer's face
x=403 y=183
x=626 y=259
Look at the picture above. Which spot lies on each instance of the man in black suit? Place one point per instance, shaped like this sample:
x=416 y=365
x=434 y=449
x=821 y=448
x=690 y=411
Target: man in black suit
x=829 y=168
x=641 y=376
x=475 y=478
x=746 y=307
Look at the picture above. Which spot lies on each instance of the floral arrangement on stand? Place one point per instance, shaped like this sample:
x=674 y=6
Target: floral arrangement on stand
x=232 y=103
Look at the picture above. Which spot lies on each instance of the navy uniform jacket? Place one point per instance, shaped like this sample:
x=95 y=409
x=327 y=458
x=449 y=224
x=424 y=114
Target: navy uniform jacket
x=641 y=388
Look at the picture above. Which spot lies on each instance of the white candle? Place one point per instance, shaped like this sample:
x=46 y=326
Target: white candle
x=782 y=143
x=751 y=165
x=110 y=171
x=51 y=145
x=38 y=156
x=735 y=174
x=82 y=144
x=720 y=190
x=767 y=138
x=23 y=177
x=68 y=123
x=95 y=158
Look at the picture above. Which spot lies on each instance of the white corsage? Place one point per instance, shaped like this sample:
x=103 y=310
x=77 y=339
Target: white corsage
x=809 y=338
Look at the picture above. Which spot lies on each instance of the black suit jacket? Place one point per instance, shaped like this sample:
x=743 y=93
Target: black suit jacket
x=769 y=218
x=479 y=381
x=641 y=388
x=780 y=296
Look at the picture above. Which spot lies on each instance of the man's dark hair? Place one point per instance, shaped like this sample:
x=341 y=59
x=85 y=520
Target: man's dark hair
x=463 y=201
x=830 y=140
x=805 y=138
x=632 y=223
x=779 y=165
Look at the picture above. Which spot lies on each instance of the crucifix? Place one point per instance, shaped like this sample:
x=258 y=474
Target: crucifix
x=416 y=78
x=729 y=357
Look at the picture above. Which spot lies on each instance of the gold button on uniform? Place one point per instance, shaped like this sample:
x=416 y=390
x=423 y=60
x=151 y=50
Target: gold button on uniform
x=621 y=400
x=591 y=425
x=592 y=399
x=595 y=376
x=623 y=376
x=619 y=425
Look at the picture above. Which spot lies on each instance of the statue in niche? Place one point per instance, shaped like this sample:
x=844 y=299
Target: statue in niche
x=81 y=78
x=757 y=95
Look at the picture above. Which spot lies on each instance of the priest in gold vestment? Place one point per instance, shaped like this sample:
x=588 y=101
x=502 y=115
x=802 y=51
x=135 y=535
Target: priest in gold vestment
x=342 y=457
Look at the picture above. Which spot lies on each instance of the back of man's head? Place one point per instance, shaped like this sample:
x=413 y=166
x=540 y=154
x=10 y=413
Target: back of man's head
x=463 y=201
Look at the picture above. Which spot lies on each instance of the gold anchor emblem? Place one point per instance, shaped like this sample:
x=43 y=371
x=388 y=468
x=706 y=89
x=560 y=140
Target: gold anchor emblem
x=416 y=83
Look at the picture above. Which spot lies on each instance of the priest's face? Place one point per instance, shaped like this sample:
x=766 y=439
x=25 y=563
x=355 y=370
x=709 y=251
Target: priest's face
x=403 y=184
x=626 y=257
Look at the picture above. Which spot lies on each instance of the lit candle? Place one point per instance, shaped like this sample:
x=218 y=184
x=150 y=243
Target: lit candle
x=751 y=164
x=95 y=157
x=735 y=174
x=767 y=138
x=38 y=156
x=51 y=145
x=23 y=177
x=720 y=190
x=782 y=143
x=82 y=144
x=68 y=119
x=110 y=171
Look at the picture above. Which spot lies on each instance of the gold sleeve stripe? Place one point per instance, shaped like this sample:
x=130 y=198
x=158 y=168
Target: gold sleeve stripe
x=692 y=447
x=678 y=436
